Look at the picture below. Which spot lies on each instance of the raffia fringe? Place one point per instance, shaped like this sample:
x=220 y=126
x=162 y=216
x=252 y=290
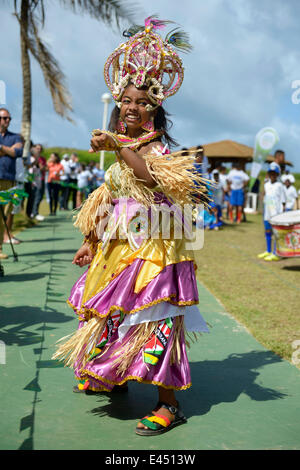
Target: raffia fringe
x=131 y=186
x=89 y=214
x=79 y=344
x=176 y=177
x=136 y=342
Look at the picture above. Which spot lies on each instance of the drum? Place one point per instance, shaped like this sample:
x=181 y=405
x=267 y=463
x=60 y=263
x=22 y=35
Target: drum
x=286 y=227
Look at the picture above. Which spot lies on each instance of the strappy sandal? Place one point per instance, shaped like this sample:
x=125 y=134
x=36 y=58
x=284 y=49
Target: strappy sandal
x=159 y=424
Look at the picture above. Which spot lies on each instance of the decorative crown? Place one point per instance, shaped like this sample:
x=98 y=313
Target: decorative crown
x=147 y=60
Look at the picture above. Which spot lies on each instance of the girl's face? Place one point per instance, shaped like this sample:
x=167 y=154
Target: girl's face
x=133 y=109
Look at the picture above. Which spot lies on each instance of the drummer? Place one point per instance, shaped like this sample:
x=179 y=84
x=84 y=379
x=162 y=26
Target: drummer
x=274 y=204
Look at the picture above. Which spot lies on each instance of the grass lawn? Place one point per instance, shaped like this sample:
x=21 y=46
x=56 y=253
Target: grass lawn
x=263 y=296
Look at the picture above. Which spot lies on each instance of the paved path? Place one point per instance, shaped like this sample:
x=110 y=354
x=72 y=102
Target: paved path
x=243 y=396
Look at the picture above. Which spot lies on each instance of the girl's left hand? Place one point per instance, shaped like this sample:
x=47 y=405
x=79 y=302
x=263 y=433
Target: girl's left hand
x=102 y=142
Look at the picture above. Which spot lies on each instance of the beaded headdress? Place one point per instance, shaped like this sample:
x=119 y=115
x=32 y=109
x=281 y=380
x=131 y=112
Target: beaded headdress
x=147 y=60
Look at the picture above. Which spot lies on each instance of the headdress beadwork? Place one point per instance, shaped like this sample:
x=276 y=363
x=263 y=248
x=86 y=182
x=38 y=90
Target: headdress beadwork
x=147 y=60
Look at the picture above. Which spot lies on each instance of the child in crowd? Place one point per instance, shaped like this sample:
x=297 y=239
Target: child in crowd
x=291 y=193
x=274 y=203
x=218 y=197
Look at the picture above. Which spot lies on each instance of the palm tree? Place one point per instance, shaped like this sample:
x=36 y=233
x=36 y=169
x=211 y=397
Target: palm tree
x=31 y=17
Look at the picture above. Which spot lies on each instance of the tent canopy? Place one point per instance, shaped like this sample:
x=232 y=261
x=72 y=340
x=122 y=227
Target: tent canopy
x=229 y=151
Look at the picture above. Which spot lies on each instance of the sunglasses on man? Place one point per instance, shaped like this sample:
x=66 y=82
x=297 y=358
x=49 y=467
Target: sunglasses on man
x=5 y=118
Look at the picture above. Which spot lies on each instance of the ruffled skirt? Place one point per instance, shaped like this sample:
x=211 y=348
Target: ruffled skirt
x=144 y=304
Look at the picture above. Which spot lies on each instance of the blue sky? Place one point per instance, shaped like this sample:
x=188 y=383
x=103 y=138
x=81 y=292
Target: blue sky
x=238 y=78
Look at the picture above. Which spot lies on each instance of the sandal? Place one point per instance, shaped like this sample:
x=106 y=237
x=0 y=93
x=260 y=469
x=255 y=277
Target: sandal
x=158 y=424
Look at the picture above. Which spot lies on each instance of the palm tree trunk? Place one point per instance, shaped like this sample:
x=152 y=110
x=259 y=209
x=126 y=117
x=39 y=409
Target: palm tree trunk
x=26 y=75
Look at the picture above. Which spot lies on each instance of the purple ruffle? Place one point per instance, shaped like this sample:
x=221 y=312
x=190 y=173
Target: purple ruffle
x=176 y=282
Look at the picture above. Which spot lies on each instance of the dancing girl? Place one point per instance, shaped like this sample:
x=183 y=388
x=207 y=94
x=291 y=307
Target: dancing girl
x=136 y=303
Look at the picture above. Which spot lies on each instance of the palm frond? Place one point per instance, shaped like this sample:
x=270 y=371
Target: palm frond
x=108 y=11
x=53 y=75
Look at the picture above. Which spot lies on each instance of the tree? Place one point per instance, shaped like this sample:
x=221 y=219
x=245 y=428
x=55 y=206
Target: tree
x=31 y=17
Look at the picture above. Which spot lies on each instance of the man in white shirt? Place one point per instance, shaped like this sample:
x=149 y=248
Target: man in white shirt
x=83 y=179
x=291 y=193
x=65 y=179
x=98 y=174
x=74 y=168
x=237 y=181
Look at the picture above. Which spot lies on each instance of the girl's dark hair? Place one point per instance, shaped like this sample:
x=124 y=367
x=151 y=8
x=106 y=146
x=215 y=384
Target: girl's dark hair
x=161 y=123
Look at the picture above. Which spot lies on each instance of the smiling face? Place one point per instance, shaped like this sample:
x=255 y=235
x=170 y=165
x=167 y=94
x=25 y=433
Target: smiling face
x=133 y=110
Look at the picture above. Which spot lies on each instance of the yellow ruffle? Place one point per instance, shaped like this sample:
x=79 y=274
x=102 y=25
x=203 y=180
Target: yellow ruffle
x=156 y=253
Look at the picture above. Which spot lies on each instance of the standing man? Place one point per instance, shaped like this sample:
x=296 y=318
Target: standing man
x=40 y=181
x=279 y=159
x=237 y=181
x=65 y=178
x=11 y=147
x=74 y=169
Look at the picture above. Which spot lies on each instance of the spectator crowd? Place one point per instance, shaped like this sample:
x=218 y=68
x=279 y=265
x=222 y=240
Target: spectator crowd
x=65 y=182
x=228 y=191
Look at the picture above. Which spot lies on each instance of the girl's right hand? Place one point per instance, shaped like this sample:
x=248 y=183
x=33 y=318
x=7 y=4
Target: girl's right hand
x=102 y=142
x=83 y=256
